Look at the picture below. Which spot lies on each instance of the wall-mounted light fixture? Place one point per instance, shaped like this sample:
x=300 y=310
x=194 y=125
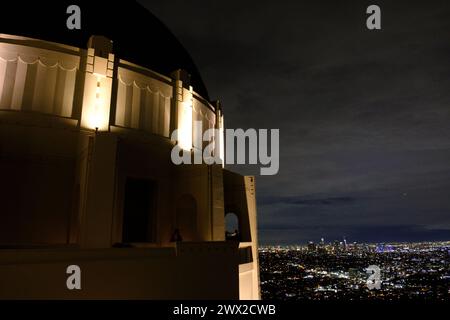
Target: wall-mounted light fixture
x=97 y=85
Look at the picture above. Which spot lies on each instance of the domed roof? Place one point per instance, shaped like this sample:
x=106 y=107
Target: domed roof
x=137 y=35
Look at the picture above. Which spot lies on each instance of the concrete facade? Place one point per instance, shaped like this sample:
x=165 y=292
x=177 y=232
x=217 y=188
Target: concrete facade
x=87 y=179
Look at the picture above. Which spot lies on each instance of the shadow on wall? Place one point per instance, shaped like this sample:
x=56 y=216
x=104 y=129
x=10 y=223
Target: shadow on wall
x=186 y=219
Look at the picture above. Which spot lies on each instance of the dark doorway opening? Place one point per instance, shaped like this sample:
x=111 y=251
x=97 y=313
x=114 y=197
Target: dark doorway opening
x=139 y=211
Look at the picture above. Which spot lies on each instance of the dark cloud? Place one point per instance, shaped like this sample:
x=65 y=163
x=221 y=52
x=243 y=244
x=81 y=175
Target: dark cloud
x=308 y=202
x=363 y=116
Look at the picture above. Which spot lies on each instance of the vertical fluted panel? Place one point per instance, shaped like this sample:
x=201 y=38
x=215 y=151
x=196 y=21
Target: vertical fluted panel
x=36 y=86
x=44 y=90
x=141 y=103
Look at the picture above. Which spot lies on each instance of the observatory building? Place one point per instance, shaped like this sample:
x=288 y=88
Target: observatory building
x=87 y=180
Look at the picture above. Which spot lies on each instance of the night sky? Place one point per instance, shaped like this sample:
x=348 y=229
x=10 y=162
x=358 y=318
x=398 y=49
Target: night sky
x=364 y=116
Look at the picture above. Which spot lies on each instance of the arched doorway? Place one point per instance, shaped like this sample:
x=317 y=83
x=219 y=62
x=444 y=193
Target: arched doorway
x=232 y=226
x=186 y=218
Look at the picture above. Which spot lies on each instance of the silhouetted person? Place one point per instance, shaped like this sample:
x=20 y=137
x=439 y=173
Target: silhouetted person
x=176 y=236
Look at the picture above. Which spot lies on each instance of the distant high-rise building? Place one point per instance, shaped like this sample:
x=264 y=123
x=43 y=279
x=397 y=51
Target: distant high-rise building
x=312 y=246
x=336 y=246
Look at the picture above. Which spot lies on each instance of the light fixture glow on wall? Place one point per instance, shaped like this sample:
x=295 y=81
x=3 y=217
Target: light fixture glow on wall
x=185 y=124
x=97 y=111
x=221 y=141
x=96 y=117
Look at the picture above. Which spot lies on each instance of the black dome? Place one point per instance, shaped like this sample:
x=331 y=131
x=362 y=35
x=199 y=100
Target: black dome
x=138 y=36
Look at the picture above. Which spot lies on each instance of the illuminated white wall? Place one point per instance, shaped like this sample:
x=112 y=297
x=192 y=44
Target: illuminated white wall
x=202 y=113
x=143 y=102
x=222 y=141
x=185 y=119
x=34 y=79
